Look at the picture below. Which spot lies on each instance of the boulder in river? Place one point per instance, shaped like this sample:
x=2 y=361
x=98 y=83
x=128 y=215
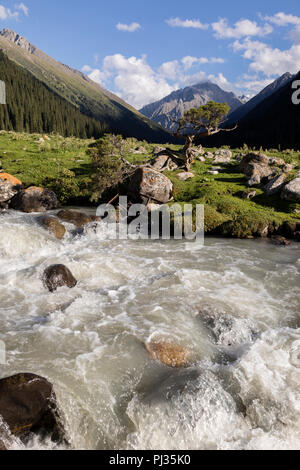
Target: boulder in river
x=226 y=329
x=58 y=275
x=28 y=407
x=9 y=187
x=54 y=226
x=34 y=199
x=79 y=219
x=147 y=185
x=170 y=354
x=291 y=191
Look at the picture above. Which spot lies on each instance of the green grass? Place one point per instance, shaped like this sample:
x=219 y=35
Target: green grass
x=64 y=165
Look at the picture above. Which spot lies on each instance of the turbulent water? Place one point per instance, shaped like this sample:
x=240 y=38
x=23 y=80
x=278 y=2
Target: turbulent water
x=242 y=387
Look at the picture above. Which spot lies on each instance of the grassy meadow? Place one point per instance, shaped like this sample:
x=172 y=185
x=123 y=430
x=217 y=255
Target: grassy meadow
x=64 y=165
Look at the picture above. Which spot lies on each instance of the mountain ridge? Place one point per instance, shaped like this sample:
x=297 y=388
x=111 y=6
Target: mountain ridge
x=89 y=97
x=173 y=106
x=241 y=112
x=273 y=123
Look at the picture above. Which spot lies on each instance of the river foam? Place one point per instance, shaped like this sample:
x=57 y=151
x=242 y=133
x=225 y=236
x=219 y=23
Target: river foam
x=241 y=390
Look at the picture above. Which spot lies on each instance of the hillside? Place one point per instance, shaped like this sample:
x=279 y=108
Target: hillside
x=273 y=123
x=243 y=110
x=75 y=87
x=173 y=106
x=32 y=107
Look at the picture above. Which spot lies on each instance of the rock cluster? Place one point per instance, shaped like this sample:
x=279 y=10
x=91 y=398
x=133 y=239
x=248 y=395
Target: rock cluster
x=32 y=199
x=273 y=172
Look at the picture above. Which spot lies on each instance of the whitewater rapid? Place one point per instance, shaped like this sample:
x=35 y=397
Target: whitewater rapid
x=241 y=391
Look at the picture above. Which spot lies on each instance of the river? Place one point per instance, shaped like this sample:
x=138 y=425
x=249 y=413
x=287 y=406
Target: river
x=242 y=387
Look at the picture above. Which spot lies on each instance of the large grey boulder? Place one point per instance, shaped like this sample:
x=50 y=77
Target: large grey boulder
x=291 y=191
x=166 y=162
x=255 y=167
x=222 y=156
x=275 y=185
x=146 y=185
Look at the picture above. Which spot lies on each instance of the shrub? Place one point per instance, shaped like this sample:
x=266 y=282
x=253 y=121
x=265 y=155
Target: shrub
x=106 y=163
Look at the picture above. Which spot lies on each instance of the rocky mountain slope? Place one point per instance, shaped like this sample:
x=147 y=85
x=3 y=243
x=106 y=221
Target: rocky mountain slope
x=174 y=105
x=273 y=123
x=242 y=111
x=89 y=97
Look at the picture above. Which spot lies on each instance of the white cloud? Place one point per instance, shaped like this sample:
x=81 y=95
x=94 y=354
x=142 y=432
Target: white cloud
x=23 y=8
x=268 y=60
x=241 y=28
x=177 y=22
x=134 y=80
x=282 y=19
x=8 y=14
x=253 y=84
x=190 y=61
x=129 y=28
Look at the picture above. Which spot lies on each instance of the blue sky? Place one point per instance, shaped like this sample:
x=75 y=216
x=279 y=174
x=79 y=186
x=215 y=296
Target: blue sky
x=144 y=50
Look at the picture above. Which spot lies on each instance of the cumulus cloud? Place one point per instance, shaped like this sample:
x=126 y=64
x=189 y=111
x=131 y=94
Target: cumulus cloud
x=129 y=28
x=282 y=19
x=241 y=28
x=8 y=14
x=177 y=22
x=269 y=60
x=134 y=80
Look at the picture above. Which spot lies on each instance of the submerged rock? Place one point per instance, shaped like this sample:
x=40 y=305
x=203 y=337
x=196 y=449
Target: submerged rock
x=279 y=240
x=28 y=407
x=54 y=226
x=34 y=199
x=58 y=275
x=170 y=354
x=79 y=219
x=226 y=329
x=9 y=187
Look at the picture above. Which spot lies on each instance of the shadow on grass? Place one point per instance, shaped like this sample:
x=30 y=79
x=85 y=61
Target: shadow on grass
x=83 y=170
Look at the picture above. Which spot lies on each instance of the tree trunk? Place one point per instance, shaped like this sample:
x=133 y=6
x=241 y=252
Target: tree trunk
x=188 y=156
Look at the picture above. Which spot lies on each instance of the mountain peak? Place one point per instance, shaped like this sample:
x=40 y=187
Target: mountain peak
x=172 y=107
x=17 y=39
